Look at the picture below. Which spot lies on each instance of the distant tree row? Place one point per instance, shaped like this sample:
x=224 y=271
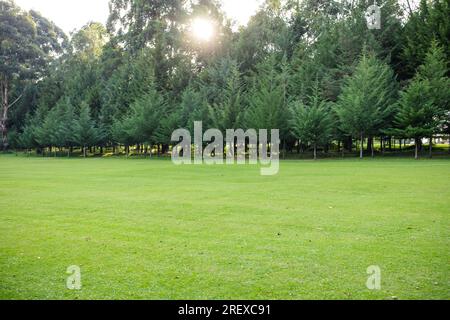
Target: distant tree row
x=311 y=69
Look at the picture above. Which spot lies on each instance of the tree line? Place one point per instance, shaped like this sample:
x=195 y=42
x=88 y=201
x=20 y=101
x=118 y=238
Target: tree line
x=309 y=68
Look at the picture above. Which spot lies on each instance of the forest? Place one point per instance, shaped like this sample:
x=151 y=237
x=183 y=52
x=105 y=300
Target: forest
x=311 y=68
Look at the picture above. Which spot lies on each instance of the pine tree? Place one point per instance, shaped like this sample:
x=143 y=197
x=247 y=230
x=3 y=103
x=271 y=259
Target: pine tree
x=429 y=23
x=227 y=114
x=415 y=114
x=122 y=131
x=168 y=124
x=85 y=132
x=193 y=107
x=268 y=105
x=434 y=70
x=64 y=129
x=312 y=123
x=367 y=98
x=45 y=133
x=26 y=139
x=146 y=115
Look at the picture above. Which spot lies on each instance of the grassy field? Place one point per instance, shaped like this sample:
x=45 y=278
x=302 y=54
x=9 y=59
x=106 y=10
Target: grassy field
x=146 y=229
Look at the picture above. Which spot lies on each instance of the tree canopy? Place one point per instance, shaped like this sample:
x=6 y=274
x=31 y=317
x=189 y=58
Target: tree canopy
x=312 y=69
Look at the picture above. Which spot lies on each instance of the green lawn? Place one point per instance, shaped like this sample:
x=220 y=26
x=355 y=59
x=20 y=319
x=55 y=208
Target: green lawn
x=146 y=229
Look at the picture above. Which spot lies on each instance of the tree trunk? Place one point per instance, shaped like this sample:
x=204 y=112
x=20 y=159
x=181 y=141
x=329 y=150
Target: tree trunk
x=4 y=113
x=349 y=144
x=409 y=7
x=370 y=146
x=84 y=152
x=315 y=151
x=431 y=147
x=416 y=152
x=361 y=148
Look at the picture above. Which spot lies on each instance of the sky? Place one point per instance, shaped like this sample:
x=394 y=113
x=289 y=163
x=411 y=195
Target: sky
x=73 y=14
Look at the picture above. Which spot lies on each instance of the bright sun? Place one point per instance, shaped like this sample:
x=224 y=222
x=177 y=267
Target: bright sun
x=202 y=29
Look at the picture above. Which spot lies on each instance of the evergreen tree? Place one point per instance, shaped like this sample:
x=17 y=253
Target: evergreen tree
x=64 y=129
x=85 y=132
x=367 y=98
x=26 y=139
x=268 y=105
x=429 y=23
x=122 y=132
x=146 y=115
x=312 y=123
x=45 y=133
x=415 y=115
x=434 y=70
x=227 y=113
x=168 y=124
x=193 y=107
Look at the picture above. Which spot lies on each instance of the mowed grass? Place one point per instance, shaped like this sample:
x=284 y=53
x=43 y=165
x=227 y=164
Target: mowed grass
x=146 y=229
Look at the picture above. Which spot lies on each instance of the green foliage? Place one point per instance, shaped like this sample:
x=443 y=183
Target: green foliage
x=142 y=123
x=132 y=79
x=434 y=69
x=28 y=42
x=430 y=23
x=64 y=129
x=367 y=98
x=137 y=23
x=312 y=123
x=193 y=107
x=26 y=139
x=167 y=124
x=90 y=40
x=143 y=75
x=227 y=112
x=423 y=108
x=122 y=131
x=268 y=104
x=415 y=111
x=147 y=113
x=85 y=131
x=46 y=132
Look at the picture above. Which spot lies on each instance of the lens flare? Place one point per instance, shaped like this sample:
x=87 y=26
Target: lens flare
x=202 y=29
